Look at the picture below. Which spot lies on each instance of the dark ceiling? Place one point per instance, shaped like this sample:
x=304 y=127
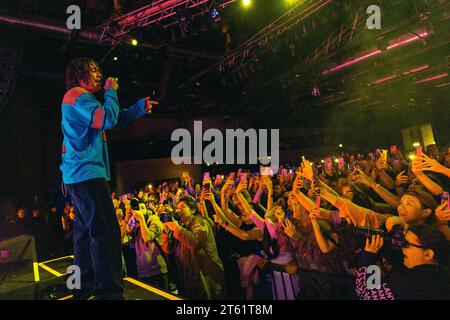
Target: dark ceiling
x=273 y=83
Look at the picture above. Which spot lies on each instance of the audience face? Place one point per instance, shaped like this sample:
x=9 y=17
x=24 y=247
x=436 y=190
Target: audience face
x=35 y=213
x=281 y=202
x=275 y=215
x=53 y=210
x=21 y=214
x=414 y=256
x=277 y=191
x=140 y=194
x=184 y=211
x=411 y=210
x=292 y=201
x=348 y=192
x=72 y=213
x=66 y=208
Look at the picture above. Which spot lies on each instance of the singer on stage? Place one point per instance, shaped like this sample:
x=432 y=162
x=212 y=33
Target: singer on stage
x=85 y=173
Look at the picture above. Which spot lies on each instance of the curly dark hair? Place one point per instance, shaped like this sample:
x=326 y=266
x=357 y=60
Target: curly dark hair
x=77 y=70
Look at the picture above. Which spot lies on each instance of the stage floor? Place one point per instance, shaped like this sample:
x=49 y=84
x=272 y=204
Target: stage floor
x=51 y=285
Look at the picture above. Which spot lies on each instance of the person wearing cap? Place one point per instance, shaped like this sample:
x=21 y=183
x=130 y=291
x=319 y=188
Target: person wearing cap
x=85 y=174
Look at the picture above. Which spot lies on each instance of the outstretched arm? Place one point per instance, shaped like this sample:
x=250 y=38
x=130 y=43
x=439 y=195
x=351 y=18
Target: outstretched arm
x=139 y=109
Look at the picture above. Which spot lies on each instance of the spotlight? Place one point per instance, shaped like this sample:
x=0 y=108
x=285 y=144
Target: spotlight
x=340 y=145
x=134 y=42
x=336 y=160
x=411 y=157
x=323 y=161
x=290 y=2
x=215 y=15
x=115 y=58
x=246 y=3
x=416 y=144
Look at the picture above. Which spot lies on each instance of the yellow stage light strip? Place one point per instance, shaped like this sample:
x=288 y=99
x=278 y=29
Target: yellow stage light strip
x=36 y=272
x=57 y=259
x=52 y=271
x=152 y=289
x=66 y=298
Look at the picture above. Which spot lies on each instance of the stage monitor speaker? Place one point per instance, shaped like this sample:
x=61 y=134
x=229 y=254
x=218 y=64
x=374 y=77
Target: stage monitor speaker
x=18 y=253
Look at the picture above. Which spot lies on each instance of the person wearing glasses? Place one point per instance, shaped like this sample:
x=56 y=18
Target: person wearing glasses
x=425 y=276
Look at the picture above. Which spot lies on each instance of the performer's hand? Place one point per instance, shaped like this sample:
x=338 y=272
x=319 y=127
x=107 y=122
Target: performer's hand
x=111 y=83
x=149 y=104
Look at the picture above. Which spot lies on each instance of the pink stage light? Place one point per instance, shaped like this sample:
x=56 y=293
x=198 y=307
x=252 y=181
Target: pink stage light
x=395 y=75
x=350 y=62
x=383 y=80
x=442 y=85
x=439 y=76
x=394 y=44
x=402 y=41
x=416 y=69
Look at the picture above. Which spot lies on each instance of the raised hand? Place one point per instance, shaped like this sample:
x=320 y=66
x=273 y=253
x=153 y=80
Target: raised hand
x=307 y=170
x=138 y=215
x=209 y=196
x=401 y=178
x=218 y=219
x=241 y=186
x=443 y=214
x=291 y=268
x=289 y=228
x=429 y=164
x=393 y=221
x=227 y=185
x=267 y=182
x=375 y=245
x=314 y=214
x=297 y=184
x=171 y=225
x=417 y=166
x=381 y=164
x=149 y=104
x=374 y=174
x=364 y=178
